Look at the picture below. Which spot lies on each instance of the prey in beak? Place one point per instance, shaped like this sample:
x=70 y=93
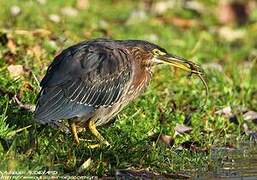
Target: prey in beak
x=181 y=63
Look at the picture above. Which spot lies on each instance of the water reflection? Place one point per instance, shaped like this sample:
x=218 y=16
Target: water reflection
x=233 y=163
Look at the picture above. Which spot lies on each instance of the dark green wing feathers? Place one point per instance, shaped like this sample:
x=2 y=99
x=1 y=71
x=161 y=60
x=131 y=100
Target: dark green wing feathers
x=81 y=79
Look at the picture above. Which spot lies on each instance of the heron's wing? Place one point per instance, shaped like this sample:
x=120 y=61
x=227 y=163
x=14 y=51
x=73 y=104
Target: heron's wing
x=81 y=79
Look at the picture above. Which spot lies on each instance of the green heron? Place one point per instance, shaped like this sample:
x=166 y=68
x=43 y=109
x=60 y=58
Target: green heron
x=89 y=83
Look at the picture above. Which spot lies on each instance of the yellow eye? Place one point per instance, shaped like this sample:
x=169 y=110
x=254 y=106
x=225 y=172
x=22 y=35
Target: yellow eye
x=158 y=52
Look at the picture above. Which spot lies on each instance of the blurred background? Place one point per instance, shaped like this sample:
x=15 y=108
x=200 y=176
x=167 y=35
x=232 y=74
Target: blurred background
x=219 y=35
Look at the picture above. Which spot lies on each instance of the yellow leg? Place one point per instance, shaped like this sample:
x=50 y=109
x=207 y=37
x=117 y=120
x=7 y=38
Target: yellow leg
x=92 y=128
x=74 y=131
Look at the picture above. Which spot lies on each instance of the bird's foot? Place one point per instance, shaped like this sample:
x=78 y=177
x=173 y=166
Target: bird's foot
x=74 y=129
x=97 y=145
x=93 y=146
x=94 y=131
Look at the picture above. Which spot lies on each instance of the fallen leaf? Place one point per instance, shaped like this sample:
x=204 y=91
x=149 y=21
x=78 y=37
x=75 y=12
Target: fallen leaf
x=160 y=7
x=166 y=139
x=229 y=34
x=15 y=70
x=183 y=23
x=195 y=5
x=69 y=11
x=162 y=138
x=35 y=51
x=11 y=46
x=9 y=57
x=82 y=4
x=85 y=165
x=177 y=21
x=250 y=116
x=41 y=32
x=181 y=129
x=37 y=32
x=54 y=18
x=137 y=16
x=225 y=111
x=194 y=146
x=41 y=2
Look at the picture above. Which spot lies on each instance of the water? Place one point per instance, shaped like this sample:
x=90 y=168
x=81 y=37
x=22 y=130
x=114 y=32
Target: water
x=233 y=163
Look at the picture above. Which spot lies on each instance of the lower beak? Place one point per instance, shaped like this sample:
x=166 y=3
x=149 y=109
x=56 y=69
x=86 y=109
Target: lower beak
x=180 y=62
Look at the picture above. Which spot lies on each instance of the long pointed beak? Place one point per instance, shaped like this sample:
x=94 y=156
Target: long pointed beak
x=179 y=62
x=186 y=65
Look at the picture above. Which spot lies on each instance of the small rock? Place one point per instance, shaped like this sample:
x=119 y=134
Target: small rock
x=15 y=10
x=54 y=18
x=181 y=129
x=15 y=70
x=69 y=11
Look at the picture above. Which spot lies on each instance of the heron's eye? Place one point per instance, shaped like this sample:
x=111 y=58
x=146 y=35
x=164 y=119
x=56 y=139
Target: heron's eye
x=157 y=52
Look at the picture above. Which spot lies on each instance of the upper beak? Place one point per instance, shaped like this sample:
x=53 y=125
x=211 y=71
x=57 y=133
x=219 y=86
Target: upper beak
x=179 y=62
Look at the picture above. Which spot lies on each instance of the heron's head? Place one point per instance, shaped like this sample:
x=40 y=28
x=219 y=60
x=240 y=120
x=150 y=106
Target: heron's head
x=151 y=54
x=161 y=56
